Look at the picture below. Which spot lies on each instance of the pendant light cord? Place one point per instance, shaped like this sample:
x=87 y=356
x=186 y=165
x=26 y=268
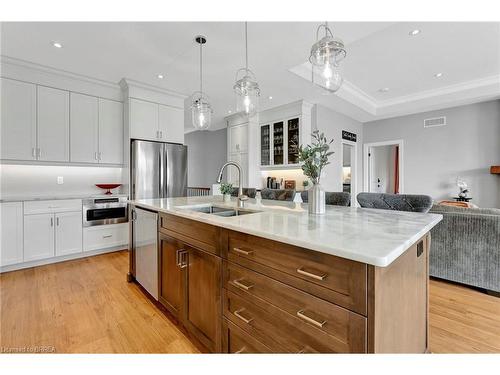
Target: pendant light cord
x=246 y=46
x=201 y=67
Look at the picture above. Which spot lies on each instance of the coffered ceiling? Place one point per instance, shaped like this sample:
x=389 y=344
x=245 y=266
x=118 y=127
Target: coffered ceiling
x=379 y=55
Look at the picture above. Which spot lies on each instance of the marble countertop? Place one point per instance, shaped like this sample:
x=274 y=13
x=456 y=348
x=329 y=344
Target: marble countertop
x=26 y=198
x=371 y=236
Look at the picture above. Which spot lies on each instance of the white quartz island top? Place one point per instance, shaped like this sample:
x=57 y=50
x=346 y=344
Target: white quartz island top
x=371 y=236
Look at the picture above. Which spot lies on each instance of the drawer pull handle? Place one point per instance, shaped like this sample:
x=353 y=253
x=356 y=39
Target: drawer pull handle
x=312 y=275
x=240 y=284
x=241 y=251
x=238 y=314
x=107 y=236
x=242 y=350
x=301 y=314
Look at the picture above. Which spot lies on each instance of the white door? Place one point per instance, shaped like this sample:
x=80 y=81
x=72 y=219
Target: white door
x=68 y=233
x=171 y=124
x=18 y=130
x=143 y=120
x=38 y=236
x=110 y=132
x=11 y=227
x=53 y=124
x=84 y=128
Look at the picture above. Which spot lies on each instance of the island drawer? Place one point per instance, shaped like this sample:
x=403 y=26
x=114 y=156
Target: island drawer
x=279 y=330
x=345 y=325
x=338 y=280
x=237 y=341
x=198 y=234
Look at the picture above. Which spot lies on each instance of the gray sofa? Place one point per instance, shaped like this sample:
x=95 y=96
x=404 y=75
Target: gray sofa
x=465 y=246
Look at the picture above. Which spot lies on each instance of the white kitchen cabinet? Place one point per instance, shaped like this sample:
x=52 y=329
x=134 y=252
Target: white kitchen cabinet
x=110 y=132
x=52 y=124
x=84 y=128
x=68 y=233
x=143 y=120
x=238 y=138
x=11 y=227
x=18 y=119
x=38 y=236
x=105 y=236
x=171 y=124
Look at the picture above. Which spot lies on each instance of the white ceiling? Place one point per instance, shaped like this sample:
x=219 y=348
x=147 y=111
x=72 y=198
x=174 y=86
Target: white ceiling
x=378 y=55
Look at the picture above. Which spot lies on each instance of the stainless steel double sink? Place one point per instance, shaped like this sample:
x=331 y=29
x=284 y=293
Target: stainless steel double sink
x=220 y=210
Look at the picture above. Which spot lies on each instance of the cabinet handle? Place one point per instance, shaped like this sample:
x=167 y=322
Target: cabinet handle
x=161 y=134
x=181 y=258
x=239 y=284
x=107 y=236
x=238 y=314
x=241 y=251
x=301 y=314
x=242 y=350
x=51 y=221
x=57 y=221
x=39 y=152
x=95 y=155
x=157 y=134
x=312 y=275
x=177 y=257
x=100 y=155
x=33 y=152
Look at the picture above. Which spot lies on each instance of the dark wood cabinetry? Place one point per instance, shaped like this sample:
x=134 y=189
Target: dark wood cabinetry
x=239 y=293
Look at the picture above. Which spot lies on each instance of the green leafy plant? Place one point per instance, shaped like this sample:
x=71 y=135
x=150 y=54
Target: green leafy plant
x=305 y=183
x=226 y=188
x=314 y=157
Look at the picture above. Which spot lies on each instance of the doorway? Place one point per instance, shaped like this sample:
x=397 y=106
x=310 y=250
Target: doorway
x=349 y=170
x=384 y=167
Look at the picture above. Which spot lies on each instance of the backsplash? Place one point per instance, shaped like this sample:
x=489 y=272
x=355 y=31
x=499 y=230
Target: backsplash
x=42 y=180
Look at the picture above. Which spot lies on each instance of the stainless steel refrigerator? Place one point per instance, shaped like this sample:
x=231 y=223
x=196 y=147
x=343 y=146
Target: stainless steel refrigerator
x=158 y=170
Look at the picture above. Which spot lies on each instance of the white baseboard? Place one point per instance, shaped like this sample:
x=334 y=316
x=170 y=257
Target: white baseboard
x=62 y=258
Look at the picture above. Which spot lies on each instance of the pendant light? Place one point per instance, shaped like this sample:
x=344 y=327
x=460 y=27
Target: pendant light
x=201 y=110
x=246 y=87
x=326 y=55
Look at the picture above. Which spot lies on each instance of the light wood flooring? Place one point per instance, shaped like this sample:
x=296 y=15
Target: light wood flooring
x=86 y=306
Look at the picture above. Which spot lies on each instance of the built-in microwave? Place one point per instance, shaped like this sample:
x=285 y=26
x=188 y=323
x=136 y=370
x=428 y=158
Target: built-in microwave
x=102 y=211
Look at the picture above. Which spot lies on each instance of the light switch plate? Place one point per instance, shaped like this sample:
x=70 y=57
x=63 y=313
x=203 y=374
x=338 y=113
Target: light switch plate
x=60 y=180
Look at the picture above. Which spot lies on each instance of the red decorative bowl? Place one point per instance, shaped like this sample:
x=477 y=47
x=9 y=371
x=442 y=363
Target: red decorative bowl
x=108 y=187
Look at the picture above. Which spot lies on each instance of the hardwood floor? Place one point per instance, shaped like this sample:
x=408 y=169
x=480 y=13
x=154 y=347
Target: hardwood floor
x=86 y=306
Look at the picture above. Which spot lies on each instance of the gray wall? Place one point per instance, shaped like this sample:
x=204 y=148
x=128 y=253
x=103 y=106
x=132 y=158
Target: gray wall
x=332 y=123
x=433 y=157
x=207 y=151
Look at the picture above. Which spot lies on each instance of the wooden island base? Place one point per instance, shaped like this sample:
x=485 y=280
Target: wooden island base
x=238 y=293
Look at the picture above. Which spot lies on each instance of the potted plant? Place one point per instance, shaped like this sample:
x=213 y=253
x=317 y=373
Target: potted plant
x=313 y=158
x=226 y=188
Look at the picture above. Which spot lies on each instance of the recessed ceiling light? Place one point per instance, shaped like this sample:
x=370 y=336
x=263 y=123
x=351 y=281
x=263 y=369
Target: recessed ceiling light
x=229 y=111
x=383 y=89
x=414 y=32
x=438 y=75
x=160 y=76
x=270 y=98
x=57 y=44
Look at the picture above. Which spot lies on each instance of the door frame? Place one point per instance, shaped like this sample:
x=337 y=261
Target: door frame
x=366 y=162
x=354 y=166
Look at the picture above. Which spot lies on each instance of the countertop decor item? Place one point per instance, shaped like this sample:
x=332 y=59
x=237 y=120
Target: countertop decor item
x=201 y=110
x=226 y=189
x=313 y=158
x=108 y=187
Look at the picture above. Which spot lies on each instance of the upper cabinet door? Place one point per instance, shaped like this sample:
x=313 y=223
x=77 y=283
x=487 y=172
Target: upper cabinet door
x=171 y=124
x=110 y=132
x=53 y=124
x=18 y=120
x=143 y=120
x=238 y=138
x=84 y=128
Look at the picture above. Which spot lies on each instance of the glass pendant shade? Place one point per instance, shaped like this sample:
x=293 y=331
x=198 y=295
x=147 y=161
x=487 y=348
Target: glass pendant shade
x=201 y=111
x=247 y=92
x=246 y=87
x=325 y=58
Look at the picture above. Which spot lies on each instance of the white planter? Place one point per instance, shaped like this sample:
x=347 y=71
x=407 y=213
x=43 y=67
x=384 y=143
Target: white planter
x=227 y=198
x=316 y=200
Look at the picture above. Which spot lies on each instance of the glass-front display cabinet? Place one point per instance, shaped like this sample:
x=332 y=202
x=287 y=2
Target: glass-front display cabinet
x=279 y=143
x=265 y=145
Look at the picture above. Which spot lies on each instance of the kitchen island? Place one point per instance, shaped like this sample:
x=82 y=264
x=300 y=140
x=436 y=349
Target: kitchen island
x=272 y=278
